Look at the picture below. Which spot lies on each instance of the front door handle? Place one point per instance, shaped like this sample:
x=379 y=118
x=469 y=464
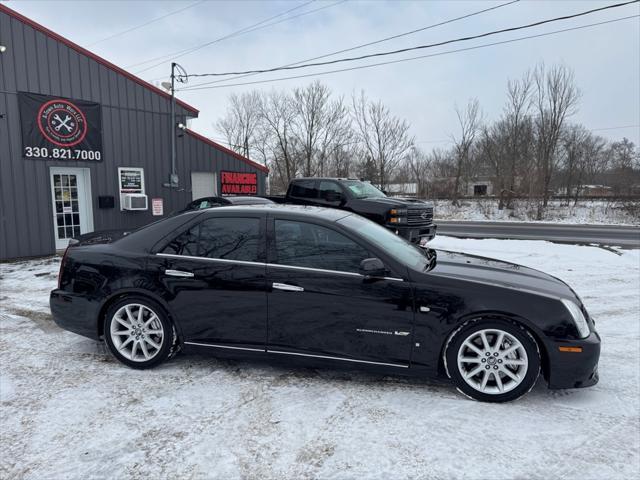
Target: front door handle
x=178 y=273
x=287 y=287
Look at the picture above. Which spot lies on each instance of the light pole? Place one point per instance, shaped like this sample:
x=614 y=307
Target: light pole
x=173 y=176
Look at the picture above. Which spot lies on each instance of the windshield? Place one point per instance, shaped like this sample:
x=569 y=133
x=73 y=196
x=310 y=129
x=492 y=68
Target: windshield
x=392 y=244
x=362 y=189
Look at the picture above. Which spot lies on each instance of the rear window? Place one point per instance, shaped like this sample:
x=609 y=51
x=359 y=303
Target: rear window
x=304 y=189
x=221 y=238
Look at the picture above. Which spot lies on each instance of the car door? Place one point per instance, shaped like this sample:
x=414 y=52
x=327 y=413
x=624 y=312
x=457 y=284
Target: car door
x=321 y=306
x=213 y=276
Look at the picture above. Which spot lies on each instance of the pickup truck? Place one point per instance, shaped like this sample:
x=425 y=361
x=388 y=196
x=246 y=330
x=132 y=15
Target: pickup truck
x=408 y=218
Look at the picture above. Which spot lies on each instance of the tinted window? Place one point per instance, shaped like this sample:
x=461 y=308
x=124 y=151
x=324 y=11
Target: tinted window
x=307 y=245
x=394 y=245
x=304 y=189
x=327 y=187
x=226 y=238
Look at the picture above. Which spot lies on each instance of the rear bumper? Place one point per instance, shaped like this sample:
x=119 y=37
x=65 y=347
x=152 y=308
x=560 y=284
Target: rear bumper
x=574 y=369
x=415 y=234
x=74 y=313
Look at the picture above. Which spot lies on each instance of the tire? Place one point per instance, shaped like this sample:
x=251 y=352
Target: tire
x=503 y=372
x=139 y=342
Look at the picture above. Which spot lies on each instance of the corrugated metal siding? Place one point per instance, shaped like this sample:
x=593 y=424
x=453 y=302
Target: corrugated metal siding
x=136 y=133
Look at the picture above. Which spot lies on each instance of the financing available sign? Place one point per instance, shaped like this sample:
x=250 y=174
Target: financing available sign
x=239 y=183
x=55 y=128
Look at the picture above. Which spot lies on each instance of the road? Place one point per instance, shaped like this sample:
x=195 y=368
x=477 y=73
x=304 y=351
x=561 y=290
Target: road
x=614 y=235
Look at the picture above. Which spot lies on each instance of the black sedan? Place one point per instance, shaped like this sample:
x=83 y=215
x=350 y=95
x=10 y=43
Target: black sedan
x=323 y=285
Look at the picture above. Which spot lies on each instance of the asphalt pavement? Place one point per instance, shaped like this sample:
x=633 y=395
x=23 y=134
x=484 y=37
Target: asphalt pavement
x=610 y=235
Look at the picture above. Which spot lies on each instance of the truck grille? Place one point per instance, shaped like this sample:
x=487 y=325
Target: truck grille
x=420 y=216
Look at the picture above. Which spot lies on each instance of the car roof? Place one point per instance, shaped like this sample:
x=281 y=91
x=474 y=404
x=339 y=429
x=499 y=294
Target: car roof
x=325 y=178
x=330 y=214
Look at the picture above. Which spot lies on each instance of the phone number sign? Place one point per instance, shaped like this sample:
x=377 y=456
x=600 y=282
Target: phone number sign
x=60 y=128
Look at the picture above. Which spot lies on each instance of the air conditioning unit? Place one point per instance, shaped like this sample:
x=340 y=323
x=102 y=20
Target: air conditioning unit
x=134 y=201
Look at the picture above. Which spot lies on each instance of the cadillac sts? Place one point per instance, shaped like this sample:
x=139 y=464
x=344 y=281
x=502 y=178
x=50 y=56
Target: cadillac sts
x=320 y=286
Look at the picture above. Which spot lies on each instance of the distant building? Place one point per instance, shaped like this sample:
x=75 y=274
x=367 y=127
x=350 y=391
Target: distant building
x=480 y=187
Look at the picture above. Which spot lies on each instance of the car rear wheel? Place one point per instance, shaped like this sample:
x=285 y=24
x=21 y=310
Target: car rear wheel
x=492 y=360
x=138 y=332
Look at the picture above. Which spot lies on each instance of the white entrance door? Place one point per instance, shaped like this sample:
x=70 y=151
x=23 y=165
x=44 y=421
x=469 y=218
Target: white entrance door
x=203 y=184
x=72 y=210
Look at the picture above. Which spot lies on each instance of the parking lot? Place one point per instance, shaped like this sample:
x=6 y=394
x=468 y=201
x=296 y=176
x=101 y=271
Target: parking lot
x=69 y=409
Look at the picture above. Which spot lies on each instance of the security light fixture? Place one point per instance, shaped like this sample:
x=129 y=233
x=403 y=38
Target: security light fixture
x=3 y=48
x=166 y=86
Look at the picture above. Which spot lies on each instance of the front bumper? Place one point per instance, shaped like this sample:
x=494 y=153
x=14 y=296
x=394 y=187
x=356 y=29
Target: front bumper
x=415 y=234
x=573 y=369
x=75 y=313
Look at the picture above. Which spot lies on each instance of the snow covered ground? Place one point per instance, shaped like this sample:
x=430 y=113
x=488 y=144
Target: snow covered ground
x=586 y=212
x=68 y=410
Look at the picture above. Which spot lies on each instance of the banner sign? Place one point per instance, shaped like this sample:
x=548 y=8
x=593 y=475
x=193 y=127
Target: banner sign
x=239 y=183
x=55 y=128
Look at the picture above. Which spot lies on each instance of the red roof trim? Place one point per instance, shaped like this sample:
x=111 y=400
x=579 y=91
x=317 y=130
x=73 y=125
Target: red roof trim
x=242 y=158
x=93 y=56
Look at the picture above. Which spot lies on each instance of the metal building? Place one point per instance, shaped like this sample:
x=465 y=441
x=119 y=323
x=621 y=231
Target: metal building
x=86 y=146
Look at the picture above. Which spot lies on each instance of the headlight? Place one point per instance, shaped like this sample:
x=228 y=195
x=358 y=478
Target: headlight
x=578 y=318
x=398 y=215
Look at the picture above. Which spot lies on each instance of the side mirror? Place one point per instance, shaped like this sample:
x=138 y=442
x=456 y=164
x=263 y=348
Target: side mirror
x=372 y=267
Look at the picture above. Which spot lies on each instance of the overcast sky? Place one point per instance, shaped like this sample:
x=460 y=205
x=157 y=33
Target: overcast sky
x=606 y=58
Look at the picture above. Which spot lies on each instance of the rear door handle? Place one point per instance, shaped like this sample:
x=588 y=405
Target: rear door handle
x=287 y=287
x=178 y=273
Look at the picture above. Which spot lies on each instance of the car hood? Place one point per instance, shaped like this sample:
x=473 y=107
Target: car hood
x=495 y=272
x=393 y=202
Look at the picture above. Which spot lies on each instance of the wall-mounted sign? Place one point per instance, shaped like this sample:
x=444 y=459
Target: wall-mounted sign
x=130 y=181
x=157 y=207
x=55 y=128
x=239 y=183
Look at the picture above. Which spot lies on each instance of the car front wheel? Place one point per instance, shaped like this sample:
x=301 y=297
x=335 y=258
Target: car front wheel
x=492 y=361
x=138 y=332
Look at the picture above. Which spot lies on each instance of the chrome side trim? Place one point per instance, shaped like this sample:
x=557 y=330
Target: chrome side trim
x=217 y=260
x=310 y=269
x=275 y=265
x=225 y=346
x=337 y=358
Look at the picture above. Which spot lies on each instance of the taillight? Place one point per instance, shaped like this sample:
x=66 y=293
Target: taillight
x=64 y=258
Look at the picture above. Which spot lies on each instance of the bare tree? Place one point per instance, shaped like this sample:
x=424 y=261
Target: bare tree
x=419 y=165
x=469 y=120
x=320 y=126
x=241 y=121
x=555 y=97
x=384 y=137
x=276 y=117
x=515 y=118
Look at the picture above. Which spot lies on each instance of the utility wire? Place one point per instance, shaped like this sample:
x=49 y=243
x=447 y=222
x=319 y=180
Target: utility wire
x=237 y=32
x=419 y=47
x=410 y=58
x=146 y=23
x=393 y=37
x=614 y=128
x=249 y=29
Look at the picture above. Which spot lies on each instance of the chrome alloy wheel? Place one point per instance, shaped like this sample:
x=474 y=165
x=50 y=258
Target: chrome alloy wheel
x=492 y=361
x=137 y=332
